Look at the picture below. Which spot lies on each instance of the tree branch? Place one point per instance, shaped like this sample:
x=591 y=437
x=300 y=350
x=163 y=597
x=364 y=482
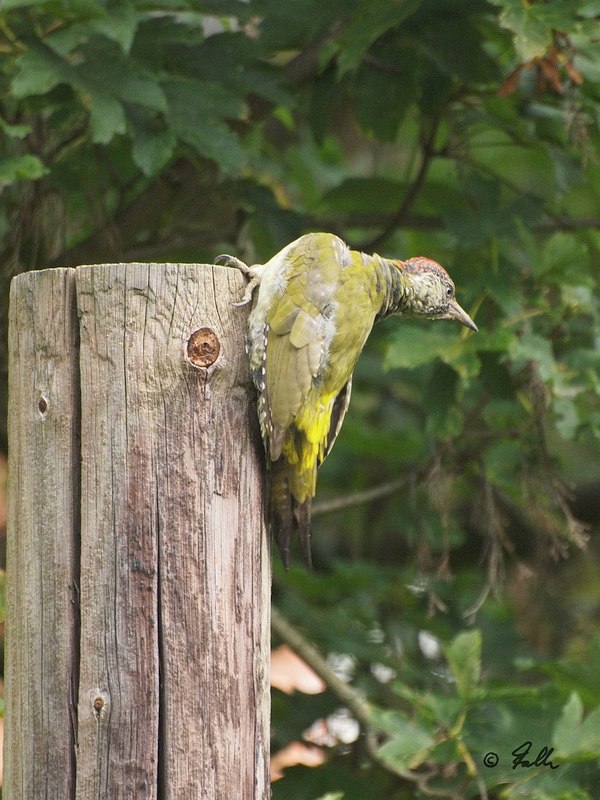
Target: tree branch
x=397 y=220
x=358 y=498
x=357 y=705
x=303 y=648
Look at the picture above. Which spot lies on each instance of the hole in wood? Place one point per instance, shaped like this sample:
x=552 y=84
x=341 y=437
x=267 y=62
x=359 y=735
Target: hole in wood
x=42 y=405
x=203 y=347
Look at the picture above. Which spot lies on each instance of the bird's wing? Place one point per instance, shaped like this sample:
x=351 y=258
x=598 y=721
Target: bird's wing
x=340 y=406
x=299 y=327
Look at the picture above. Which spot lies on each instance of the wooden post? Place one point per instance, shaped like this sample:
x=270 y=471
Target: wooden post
x=138 y=572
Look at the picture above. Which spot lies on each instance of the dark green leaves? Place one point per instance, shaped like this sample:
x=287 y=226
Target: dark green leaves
x=127 y=96
x=368 y=22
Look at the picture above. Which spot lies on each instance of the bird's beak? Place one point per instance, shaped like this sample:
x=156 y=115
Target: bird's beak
x=459 y=314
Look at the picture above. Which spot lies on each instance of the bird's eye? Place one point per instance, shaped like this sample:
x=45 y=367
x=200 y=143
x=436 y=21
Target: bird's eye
x=449 y=291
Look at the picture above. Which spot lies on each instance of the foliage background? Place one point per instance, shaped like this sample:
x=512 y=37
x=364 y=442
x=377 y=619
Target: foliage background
x=463 y=598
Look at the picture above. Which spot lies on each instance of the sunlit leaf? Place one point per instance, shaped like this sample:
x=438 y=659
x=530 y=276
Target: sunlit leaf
x=575 y=737
x=464 y=658
x=21 y=168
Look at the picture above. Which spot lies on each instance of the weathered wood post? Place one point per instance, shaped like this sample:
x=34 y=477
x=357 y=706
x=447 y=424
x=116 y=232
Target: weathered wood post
x=138 y=569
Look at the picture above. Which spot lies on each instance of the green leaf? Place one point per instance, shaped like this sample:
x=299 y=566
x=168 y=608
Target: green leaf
x=562 y=251
x=409 y=743
x=21 y=168
x=444 y=419
x=532 y=36
x=414 y=345
x=568 y=420
x=503 y=459
x=570 y=720
x=152 y=150
x=383 y=99
x=310 y=19
x=119 y=24
x=533 y=24
x=199 y=126
x=143 y=90
x=575 y=738
x=371 y=19
x=201 y=98
x=411 y=347
x=442 y=708
x=456 y=49
x=18 y=131
x=38 y=74
x=464 y=659
x=532 y=347
x=107 y=118
x=123 y=80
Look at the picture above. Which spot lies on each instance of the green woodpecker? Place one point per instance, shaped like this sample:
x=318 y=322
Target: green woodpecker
x=316 y=304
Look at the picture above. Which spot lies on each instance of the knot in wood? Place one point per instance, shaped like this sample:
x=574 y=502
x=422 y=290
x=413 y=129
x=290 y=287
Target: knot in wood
x=203 y=347
x=98 y=704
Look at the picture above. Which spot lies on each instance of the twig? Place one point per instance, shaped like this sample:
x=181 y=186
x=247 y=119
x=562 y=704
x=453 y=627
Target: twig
x=354 y=701
x=303 y=648
x=398 y=218
x=359 y=498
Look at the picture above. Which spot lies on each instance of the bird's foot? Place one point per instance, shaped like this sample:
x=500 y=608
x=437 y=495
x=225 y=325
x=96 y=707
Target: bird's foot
x=232 y=261
x=247 y=296
x=254 y=280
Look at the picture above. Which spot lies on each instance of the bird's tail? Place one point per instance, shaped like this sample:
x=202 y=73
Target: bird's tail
x=286 y=513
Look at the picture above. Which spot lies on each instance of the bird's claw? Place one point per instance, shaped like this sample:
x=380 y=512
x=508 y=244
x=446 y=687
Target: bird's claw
x=247 y=296
x=232 y=261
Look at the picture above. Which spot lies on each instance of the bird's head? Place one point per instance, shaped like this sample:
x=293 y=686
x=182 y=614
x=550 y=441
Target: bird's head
x=431 y=292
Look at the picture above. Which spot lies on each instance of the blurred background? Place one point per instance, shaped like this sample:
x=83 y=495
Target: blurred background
x=456 y=586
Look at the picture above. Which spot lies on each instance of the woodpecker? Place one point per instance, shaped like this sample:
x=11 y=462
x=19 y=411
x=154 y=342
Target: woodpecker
x=316 y=304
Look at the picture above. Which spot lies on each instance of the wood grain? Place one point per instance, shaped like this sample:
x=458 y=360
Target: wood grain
x=141 y=483
x=175 y=562
x=41 y=660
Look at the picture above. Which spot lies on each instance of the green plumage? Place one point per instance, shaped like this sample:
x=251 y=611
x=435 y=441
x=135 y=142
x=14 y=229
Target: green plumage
x=316 y=305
